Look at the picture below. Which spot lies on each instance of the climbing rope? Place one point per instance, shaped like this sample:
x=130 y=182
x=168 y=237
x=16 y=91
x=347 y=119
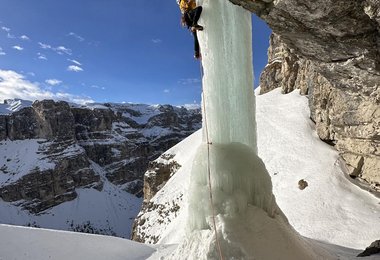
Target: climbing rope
x=209 y=168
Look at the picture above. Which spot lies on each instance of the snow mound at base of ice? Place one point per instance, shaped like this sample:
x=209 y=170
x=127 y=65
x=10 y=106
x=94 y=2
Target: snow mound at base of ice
x=238 y=178
x=253 y=235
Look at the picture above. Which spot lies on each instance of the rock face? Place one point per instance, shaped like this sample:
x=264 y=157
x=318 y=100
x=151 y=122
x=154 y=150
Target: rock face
x=53 y=124
x=373 y=249
x=330 y=50
x=48 y=149
x=157 y=175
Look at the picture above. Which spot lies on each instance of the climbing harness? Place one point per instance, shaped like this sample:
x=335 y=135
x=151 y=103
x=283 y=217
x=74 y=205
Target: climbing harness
x=208 y=166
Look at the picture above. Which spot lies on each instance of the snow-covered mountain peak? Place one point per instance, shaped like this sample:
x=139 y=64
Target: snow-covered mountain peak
x=13 y=105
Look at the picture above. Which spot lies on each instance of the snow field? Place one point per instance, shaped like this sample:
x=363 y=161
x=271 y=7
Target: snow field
x=111 y=211
x=332 y=213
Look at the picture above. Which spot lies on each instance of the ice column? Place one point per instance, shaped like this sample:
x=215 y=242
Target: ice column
x=228 y=73
x=238 y=176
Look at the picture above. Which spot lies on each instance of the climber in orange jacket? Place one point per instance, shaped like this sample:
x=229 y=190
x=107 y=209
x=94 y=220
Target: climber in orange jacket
x=190 y=16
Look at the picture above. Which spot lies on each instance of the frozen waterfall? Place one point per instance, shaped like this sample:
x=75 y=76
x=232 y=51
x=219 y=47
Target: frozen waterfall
x=248 y=222
x=238 y=176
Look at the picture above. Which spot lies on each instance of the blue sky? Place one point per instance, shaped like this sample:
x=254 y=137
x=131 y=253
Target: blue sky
x=105 y=51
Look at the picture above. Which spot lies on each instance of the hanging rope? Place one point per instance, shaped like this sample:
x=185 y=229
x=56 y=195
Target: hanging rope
x=208 y=166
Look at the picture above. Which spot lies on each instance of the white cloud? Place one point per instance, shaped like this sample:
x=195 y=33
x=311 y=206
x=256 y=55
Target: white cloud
x=60 y=49
x=2 y=53
x=14 y=85
x=24 y=37
x=156 y=41
x=53 y=82
x=32 y=74
x=166 y=90
x=5 y=29
x=63 y=50
x=44 y=46
x=75 y=62
x=19 y=48
x=78 y=37
x=41 y=56
x=9 y=35
x=74 y=68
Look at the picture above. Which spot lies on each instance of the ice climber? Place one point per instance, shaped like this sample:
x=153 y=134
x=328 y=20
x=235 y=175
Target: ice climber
x=190 y=16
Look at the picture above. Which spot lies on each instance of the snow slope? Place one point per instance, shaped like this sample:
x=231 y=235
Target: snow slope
x=331 y=209
x=40 y=244
x=110 y=211
x=20 y=157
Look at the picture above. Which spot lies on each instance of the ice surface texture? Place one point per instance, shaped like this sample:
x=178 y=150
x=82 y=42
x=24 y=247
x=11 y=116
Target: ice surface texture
x=226 y=46
x=238 y=176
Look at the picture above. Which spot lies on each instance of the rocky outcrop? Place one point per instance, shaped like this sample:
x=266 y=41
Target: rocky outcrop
x=284 y=69
x=330 y=50
x=125 y=145
x=158 y=173
x=44 y=120
x=341 y=36
x=3 y=127
x=38 y=189
x=121 y=139
x=42 y=189
x=373 y=249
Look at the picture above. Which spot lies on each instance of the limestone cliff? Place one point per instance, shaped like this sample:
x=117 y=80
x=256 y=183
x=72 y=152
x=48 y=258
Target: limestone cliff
x=48 y=149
